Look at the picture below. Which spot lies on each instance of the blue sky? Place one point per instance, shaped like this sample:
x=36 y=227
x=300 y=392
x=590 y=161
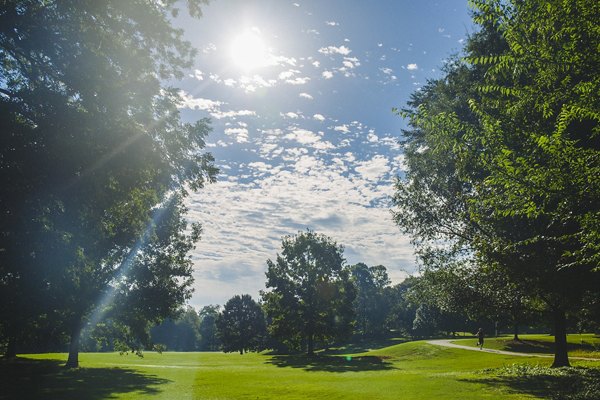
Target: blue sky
x=300 y=96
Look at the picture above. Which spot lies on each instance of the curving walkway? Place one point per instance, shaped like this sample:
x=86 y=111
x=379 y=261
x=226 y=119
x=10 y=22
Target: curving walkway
x=447 y=343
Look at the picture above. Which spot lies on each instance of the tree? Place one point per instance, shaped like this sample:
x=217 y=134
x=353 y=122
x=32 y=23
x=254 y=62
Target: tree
x=209 y=340
x=311 y=292
x=492 y=177
x=181 y=334
x=241 y=325
x=541 y=120
x=402 y=309
x=94 y=156
x=371 y=306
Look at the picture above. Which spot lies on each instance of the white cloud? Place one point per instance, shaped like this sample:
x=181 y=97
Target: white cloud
x=198 y=103
x=303 y=136
x=343 y=50
x=374 y=169
x=298 y=81
x=332 y=23
x=412 y=67
x=342 y=128
x=305 y=96
x=290 y=114
x=327 y=74
x=232 y=114
x=319 y=117
x=240 y=134
x=387 y=71
x=209 y=48
x=316 y=64
x=288 y=74
x=372 y=137
x=197 y=74
x=350 y=62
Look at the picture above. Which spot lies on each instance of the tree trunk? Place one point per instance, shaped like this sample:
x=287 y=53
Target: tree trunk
x=516 y=330
x=561 y=357
x=11 y=349
x=73 y=360
x=310 y=345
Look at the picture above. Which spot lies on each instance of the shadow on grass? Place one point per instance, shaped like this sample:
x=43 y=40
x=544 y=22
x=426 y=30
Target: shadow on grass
x=331 y=363
x=539 y=346
x=362 y=346
x=564 y=383
x=47 y=379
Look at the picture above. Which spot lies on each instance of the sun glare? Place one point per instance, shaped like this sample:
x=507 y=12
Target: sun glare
x=249 y=51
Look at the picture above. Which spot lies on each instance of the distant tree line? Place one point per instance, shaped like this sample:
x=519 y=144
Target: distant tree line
x=311 y=292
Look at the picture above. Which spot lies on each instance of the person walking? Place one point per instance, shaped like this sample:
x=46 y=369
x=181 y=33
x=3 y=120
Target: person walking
x=480 y=338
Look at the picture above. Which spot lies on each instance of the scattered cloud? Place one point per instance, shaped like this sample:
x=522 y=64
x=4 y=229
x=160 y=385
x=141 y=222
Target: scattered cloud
x=298 y=81
x=240 y=134
x=412 y=67
x=332 y=23
x=305 y=96
x=343 y=50
x=374 y=169
x=232 y=114
x=319 y=117
x=327 y=74
x=342 y=128
x=198 y=103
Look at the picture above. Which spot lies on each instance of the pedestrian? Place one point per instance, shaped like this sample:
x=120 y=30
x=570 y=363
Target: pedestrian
x=480 y=338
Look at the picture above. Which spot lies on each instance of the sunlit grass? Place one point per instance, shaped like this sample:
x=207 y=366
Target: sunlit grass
x=413 y=370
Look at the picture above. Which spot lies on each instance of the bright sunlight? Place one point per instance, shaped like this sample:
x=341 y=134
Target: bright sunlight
x=249 y=51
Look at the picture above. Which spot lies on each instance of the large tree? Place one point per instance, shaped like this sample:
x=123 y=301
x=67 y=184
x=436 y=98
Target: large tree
x=209 y=340
x=502 y=154
x=371 y=304
x=241 y=325
x=94 y=160
x=311 y=294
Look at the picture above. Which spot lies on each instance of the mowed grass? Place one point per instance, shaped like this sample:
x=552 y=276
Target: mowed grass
x=585 y=345
x=413 y=370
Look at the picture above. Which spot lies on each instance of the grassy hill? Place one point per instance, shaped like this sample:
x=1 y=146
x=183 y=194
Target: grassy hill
x=413 y=370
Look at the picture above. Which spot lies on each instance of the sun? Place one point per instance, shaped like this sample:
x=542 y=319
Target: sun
x=249 y=51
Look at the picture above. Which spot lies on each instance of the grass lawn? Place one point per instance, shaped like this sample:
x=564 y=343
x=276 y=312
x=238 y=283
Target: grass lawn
x=413 y=370
x=585 y=345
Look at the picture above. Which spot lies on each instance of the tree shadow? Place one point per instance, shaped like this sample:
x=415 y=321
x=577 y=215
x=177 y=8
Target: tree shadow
x=543 y=347
x=325 y=363
x=568 y=383
x=365 y=345
x=44 y=379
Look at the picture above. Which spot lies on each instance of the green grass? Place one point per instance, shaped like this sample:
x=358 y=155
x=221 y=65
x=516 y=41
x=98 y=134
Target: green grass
x=585 y=345
x=414 y=370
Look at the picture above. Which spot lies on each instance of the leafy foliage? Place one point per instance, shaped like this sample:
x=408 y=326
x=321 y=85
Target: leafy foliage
x=311 y=293
x=93 y=155
x=241 y=325
x=502 y=155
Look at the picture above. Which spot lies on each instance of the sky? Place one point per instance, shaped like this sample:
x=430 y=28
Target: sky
x=300 y=97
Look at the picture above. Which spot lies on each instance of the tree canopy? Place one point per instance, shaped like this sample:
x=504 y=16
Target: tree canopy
x=241 y=325
x=502 y=154
x=309 y=293
x=94 y=160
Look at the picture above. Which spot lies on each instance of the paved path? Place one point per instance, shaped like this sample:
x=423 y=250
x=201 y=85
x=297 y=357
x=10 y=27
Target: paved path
x=447 y=343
